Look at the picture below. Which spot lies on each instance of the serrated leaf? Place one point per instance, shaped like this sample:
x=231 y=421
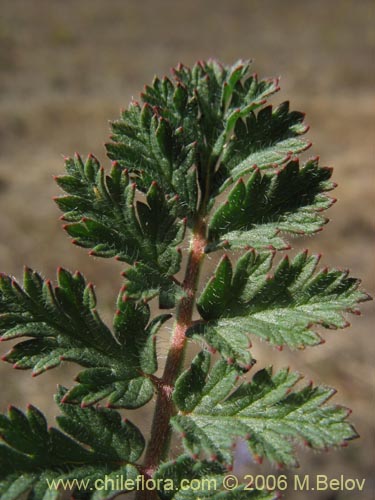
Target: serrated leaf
x=192 y=136
x=264 y=412
x=265 y=140
x=280 y=308
x=63 y=325
x=101 y=430
x=103 y=215
x=289 y=200
x=189 y=385
x=95 y=443
x=196 y=121
x=153 y=148
x=176 y=476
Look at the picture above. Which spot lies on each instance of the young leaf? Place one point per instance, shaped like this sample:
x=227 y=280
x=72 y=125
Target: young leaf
x=264 y=412
x=288 y=200
x=103 y=215
x=95 y=443
x=64 y=325
x=200 y=128
x=280 y=308
x=180 y=473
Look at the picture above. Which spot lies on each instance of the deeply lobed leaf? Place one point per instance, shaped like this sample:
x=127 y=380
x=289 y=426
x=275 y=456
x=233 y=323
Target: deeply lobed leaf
x=200 y=129
x=104 y=215
x=265 y=140
x=153 y=149
x=94 y=443
x=193 y=136
x=265 y=413
x=289 y=200
x=64 y=325
x=280 y=308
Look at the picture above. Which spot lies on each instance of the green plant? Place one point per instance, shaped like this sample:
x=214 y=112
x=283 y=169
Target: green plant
x=203 y=160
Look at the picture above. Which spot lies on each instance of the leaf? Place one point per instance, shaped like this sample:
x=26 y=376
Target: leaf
x=178 y=475
x=154 y=149
x=143 y=283
x=280 y=308
x=63 y=325
x=264 y=412
x=103 y=214
x=288 y=200
x=189 y=138
x=94 y=443
x=186 y=133
x=264 y=140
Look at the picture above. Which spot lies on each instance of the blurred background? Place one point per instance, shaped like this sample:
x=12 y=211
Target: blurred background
x=67 y=67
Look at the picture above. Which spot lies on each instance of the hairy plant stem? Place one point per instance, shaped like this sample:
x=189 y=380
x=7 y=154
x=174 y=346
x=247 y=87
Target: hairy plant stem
x=164 y=409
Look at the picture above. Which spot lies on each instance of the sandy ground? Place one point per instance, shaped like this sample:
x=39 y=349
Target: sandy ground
x=67 y=67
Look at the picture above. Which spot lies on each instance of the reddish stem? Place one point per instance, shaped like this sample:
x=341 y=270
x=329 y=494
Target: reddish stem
x=164 y=408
